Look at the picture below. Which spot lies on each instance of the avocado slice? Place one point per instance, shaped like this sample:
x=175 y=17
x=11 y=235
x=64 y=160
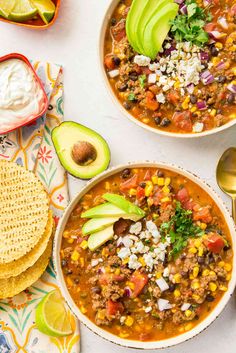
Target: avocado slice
x=81 y=151
x=158 y=28
x=133 y=17
x=125 y=205
x=99 y=238
x=152 y=7
x=96 y=224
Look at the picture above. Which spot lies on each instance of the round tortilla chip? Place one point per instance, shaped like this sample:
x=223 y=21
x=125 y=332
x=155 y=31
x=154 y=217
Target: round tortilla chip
x=14 y=285
x=24 y=206
x=14 y=268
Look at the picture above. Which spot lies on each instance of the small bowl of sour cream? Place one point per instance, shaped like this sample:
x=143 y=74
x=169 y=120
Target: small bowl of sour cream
x=22 y=96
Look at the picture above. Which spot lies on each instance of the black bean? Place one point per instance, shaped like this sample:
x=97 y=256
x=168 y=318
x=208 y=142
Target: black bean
x=200 y=260
x=193 y=99
x=182 y=256
x=184 y=274
x=214 y=51
x=63 y=263
x=172 y=287
x=76 y=280
x=68 y=272
x=123 y=87
x=157 y=120
x=127 y=105
x=165 y=122
x=210 y=298
x=227 y=247
x=160 y=174
x=96 y=290
x=113 y=21
x=219 y=111
x=126 y=173
x=221 y=79
x=142 y=185
x=230 y=98
x=133 y=76
x=116 y=60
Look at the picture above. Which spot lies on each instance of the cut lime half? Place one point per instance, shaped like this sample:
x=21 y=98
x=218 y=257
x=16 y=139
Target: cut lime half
x=46 y=9
x=22 y=11
x=6 y=7
x=51 y=316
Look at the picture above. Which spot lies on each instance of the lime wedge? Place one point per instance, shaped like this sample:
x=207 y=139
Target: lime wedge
x=46 y=9
x=22 y=11
x=51 y=316
x=6 y=7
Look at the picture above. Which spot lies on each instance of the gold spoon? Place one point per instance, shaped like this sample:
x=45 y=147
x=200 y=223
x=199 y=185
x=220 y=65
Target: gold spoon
x=226 y=176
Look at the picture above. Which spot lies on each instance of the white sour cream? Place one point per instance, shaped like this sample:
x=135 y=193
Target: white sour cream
x=21 y=97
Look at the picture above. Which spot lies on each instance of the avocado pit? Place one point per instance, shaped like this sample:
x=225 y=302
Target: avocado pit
x=83 y=153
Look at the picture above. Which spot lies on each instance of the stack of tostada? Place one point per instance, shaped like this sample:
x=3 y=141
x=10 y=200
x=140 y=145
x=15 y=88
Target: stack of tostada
x=26 y=228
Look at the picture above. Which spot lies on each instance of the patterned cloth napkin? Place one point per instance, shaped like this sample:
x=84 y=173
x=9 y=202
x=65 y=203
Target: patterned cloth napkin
x=31 y=146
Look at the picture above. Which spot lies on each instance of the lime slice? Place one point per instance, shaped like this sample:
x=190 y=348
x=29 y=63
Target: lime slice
x=23 y=11
x=52 y=317
x=46 y=9
x=6 y=7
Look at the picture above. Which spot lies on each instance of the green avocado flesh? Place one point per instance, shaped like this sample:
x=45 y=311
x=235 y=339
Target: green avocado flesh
x=125 y=205
x=158 y=28
x=148 y=23
x=91 y=156
x=98 y=239
x=96 y=224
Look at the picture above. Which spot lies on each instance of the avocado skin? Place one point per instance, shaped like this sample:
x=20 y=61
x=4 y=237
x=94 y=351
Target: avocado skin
x=72 y=132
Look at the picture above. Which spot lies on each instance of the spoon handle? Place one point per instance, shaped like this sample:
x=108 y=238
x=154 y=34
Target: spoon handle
x=234 y=209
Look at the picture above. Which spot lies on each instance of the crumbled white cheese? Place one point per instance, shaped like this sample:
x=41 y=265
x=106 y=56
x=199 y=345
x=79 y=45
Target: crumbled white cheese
x=114 y=73
x=198 y=127
x=142 y=60
x=163 y=304
x=160 y=98
x=124 y=253
x=136 y=228
x=148 y=309
x=185 y=306
x=94 y=262
x=127 y=241
x=152 y=78
x=166 y=272
x=134 y=264
x=162 y=284
x=149 y=260
x=122 y=319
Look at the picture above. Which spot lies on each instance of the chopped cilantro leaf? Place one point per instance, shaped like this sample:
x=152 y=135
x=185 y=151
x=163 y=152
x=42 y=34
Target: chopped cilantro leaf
x=131 y=97
x=142 y=79
x=180 y=228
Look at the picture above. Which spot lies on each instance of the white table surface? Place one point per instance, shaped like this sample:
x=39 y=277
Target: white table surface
x=73 y=42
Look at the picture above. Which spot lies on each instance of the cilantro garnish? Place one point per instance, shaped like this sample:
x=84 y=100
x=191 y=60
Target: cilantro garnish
x=142 y=79
x=180 y=228
x=131 y=97
x=190 y=27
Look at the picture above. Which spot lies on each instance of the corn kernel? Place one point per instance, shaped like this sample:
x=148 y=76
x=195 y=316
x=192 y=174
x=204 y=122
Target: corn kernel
x=125 y=261
x=81 y=260
x=195 y=285
x=129 y=321
x=181 y=329
x=193 y=109
x=212 y=273
x=215 y=61
x=167 y=181
x=142 y=261
x=186 y=103
x=123 y=334
x=70 y=240
x=160 y=181
x=158 y=275
x=84 y=244
x=234 y=70
x=203 y=226
x=117 y=271
x=173 y=310
x=165 y=199
x=192 y=250
x=200 y=251
x=69 y=281
x=121 y=9
x=196 y=297
x=188 y=326
x=155 y=179
x=177 y=293
x=132 y=192
x=228 y=267
x=221 y=264
x=130 y=284
x=197 y=243
x=107 y=185
x=66 y=234
x=195 y=271
x=177 y=84
x=205 y=273
x=219 y=45
x=83 y=310
x=228 y=277
x=177 y=278
x=101 y=314
x=166 y=190
x=148 y=188
x=188 y=313
x=223 y=288
x=75 y=256
x=146 y=120
x=212 y=286
x=213 y=112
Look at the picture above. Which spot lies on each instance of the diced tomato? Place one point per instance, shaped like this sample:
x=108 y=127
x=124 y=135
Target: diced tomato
x=183 y=121
x=105 y=278
x=109 y=62
x=118 y=31
x=202 y=214
x=147 y=175
x=140 y=193
x=114 y=308
x=130 y=183
x=214 y=243
x=173 y=97
x=146 y=70
x=157 y=196
x=182 y=195
x=151 y=102
x=210 y=27
x=139 y=280
x=189 y=205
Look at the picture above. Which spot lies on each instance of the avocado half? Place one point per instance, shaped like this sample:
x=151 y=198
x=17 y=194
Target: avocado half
x=81 y=151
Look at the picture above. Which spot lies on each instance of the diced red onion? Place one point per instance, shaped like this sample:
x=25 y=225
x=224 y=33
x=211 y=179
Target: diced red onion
x=205 y=74
x=232 y=88
x=127 y=292
x=179 y=1
x=101 y=270
x=162 y=284
x=168 y=51
x=207 y=77
x=201 y=105
x=183 y=9
x=185 y=306
x=223 y=22
x=206 y=3
x=190 y=88
x=163 y=304
x=220 y=66
x=204 y=56
x=216 y=34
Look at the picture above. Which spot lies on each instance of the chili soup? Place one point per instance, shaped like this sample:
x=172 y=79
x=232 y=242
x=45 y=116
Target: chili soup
x=146 y=254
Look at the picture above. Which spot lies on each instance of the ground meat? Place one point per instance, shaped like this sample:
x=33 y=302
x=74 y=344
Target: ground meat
x=118 y=31
x=166 y=213
x=156 y=292
x=113 y=292
x=178 y=318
